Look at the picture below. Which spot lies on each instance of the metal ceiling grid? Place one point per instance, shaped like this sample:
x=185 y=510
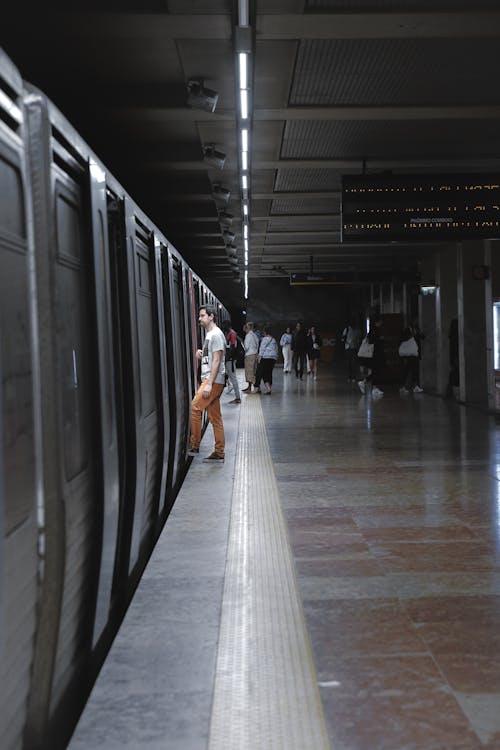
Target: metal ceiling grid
x=304 y=206
x=395 y=71
x=381 y=141
x=307 y=179
x=356 y=6
x=304 y=224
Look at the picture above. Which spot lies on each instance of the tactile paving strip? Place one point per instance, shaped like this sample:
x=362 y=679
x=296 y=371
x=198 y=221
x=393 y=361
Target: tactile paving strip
x=266 y=695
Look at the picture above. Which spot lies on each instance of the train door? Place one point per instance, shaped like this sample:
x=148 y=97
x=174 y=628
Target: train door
x=69 y=398
x=109 y=494
x=177 y=329
x=18 y=478
x=165 y=463
x=146 y=380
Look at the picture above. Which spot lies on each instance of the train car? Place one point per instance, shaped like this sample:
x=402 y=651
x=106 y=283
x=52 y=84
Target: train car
x=98 y=331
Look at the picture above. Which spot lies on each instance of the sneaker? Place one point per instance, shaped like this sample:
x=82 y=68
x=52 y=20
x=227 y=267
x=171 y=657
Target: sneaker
x=235 y=401
x=193 y=451
x=418 y=389
x=377 y=392
x=362 y=386
x=214 y=457
x=404 y=391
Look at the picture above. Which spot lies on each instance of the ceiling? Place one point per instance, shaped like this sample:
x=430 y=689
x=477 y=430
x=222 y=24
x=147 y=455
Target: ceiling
x=337 y=87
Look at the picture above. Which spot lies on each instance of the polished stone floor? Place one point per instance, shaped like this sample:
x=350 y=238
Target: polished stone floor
x=393 y=510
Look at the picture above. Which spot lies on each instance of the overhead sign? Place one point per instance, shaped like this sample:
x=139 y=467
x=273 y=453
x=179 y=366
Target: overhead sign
x=420 y=208
x=311 y=279
x=351 y=277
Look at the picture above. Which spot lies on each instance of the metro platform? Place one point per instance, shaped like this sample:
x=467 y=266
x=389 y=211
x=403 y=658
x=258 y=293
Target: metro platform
x=335 y=583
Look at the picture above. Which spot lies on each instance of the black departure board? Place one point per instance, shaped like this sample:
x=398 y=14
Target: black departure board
x=420 y=208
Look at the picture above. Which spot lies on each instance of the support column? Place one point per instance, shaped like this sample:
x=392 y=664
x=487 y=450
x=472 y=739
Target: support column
x=472 y=297
x=428 y=325
x=446 y=305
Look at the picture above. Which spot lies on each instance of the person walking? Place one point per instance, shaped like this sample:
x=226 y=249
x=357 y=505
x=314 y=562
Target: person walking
x=213 y=377
x=268 y=354
x=351 y=338
x=251 y=346
x=373 y=365
x=314 y=344
x=230 y=359
x=408 y=351
x=286 y=350
x=299 y=348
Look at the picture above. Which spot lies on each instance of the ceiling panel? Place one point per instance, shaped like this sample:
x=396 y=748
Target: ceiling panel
x=337 y=87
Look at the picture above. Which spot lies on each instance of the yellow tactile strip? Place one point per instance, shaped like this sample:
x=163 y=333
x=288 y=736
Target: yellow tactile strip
x=266 y=695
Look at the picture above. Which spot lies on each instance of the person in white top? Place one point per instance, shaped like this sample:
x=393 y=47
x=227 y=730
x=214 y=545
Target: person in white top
x=213 y=377
x=251 y=346
x=268 y=354
x=286 y=350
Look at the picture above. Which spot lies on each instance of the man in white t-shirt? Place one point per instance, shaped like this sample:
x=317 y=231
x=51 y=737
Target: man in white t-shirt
x=213 y=376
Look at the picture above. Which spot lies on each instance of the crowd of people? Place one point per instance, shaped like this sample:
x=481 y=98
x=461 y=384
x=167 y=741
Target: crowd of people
x=365 y=358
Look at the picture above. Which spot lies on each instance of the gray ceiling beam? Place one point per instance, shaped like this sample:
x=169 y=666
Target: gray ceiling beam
x=423 y=25
x=360 y=164
x=146 y=26
x=385 y=112
x=155 y=114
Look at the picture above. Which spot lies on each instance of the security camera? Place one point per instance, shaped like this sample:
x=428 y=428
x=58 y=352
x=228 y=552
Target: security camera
x=213 y=157
x=199 y=97
x=228 y=237
x=231 y=251
x=221 y=194
x=225 y=219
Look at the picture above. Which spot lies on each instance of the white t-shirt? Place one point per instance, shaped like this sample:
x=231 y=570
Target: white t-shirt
x=215 y=341
x=251 y=343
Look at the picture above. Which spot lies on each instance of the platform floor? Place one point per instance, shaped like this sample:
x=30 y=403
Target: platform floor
x=335 y=583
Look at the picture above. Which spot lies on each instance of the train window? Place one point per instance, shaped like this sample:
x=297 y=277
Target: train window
x=146 y=325
x=68 y=228
x=12 y=217
x=73 y=336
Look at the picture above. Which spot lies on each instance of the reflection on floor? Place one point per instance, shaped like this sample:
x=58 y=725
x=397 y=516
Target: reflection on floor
x=393 y=512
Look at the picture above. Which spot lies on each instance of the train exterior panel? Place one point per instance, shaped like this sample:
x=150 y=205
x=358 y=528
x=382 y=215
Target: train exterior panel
x=98 y=332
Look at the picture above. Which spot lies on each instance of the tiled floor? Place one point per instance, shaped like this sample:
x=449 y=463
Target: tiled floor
x=393 y=509
x=393 y=512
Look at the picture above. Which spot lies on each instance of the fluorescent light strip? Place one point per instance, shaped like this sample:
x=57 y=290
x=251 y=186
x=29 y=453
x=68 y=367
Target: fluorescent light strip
x=245 y=243
x=244 y=104
x=244 y=139
x=244 y=160
x=244 y=182
x=245 y=231
x=245 y=209
x=243 y=70
x=243 y=12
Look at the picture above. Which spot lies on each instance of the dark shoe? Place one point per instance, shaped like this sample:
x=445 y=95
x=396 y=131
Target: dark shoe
x=246 y=390
x=214 y=457
x=235 y=401
x=193 y=451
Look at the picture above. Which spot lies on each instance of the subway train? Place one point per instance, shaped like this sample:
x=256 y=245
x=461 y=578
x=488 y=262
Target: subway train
x=98 y=332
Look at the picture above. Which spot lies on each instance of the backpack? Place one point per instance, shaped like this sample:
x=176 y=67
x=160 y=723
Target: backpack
x=235 y=352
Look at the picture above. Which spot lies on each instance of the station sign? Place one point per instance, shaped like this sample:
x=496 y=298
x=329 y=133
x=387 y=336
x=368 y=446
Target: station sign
x=420 y=208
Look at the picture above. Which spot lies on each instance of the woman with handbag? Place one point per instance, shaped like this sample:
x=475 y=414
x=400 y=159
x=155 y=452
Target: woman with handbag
x=371 y=356
x=409 y=353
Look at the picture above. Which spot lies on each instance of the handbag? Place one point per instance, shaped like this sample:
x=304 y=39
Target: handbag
x=408 y=348
x=365 y=351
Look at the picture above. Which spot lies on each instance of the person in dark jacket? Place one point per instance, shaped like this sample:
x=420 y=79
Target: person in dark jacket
x=299 y=349
x=314 y=344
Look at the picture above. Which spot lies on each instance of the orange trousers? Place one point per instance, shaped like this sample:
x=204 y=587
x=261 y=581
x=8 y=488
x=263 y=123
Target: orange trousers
x=212 y=405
